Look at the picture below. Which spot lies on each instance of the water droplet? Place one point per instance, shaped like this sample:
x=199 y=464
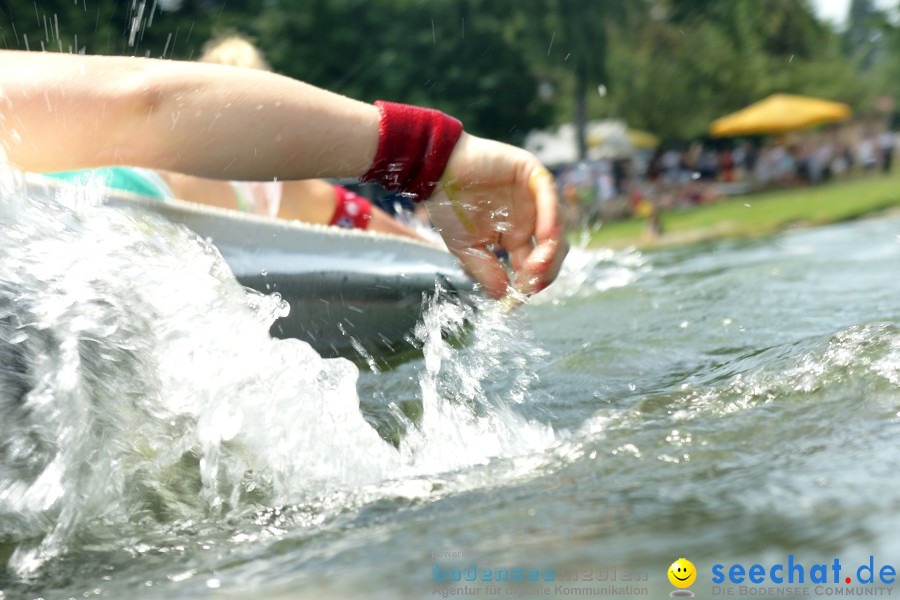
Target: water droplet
x=503 y=211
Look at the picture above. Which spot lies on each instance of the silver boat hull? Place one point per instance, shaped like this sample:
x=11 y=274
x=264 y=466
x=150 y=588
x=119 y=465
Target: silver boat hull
x=351 y=292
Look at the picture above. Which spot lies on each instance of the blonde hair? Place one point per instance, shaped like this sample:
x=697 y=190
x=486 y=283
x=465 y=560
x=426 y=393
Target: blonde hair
x=235 y=51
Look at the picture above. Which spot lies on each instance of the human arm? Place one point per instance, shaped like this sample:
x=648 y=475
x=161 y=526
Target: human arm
x=310 y=201
x=307 y=200
x=61 y=111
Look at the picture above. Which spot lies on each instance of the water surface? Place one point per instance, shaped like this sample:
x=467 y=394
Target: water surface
x=727 y=402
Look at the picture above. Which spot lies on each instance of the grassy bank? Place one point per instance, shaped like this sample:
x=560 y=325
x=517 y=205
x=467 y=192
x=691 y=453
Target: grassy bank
x=758 y=214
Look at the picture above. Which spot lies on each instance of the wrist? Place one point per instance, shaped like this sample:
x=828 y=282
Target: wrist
x=414 y=147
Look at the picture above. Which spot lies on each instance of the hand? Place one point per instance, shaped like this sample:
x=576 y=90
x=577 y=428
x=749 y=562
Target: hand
x=495 y=194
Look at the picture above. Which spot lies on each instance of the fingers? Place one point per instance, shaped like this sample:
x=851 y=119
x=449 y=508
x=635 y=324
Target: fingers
x=519 y=254
x=537 y=265
x=541 y=266
x=543 y=189
x=484 y=266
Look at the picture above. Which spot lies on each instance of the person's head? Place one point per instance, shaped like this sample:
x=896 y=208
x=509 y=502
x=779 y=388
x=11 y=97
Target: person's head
x=234 y=50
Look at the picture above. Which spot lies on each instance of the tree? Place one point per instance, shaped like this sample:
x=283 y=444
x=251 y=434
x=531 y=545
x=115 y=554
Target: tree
x=569 y=42
x=439 y=53
x=864 y=38
x=139 y=28
x=700 y=59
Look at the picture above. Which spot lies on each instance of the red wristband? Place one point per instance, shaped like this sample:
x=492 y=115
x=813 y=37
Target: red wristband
x=414 y=145
x=351 y=211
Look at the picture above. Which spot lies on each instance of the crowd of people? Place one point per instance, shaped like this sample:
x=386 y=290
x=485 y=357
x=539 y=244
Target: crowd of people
x=700 y=172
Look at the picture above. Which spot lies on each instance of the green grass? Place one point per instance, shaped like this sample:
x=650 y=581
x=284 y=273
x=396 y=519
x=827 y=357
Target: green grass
x=757 y=214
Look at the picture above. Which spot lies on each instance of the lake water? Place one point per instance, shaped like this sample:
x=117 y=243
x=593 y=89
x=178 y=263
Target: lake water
x=733 y=402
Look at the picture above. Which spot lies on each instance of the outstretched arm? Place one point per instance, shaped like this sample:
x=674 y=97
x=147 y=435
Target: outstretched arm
x=63 y=111
x=60 y=111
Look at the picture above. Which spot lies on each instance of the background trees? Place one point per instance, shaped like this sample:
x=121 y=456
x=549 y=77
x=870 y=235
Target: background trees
x=668 y=66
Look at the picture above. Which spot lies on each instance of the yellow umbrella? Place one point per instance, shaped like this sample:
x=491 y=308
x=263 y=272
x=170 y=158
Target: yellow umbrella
x=779 y=113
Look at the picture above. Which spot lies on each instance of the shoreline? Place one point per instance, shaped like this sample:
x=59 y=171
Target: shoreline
x=757 y=214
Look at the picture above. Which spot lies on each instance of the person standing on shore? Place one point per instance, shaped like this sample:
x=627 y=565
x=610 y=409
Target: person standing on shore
x=886 y=142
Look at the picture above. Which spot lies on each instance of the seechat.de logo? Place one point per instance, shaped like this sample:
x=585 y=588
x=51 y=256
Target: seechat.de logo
x=793 y=571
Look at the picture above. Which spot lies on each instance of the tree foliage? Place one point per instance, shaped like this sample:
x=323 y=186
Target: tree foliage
x=695 y=60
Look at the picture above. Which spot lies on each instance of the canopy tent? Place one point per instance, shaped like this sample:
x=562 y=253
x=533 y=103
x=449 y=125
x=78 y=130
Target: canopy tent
x=779 y=113
x=613 y=139
x=642 y=139
x=605 y=139
x=608 y=139
x=554 y=147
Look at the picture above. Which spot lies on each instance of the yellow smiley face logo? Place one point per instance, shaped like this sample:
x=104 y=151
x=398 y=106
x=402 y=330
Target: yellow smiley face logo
x=682 y=573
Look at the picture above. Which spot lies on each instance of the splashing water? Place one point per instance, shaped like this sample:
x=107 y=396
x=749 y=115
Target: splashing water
x=587 y=271
x=463 y=423
x=139 y=388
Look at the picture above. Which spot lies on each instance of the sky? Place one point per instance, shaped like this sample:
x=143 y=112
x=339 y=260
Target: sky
x=835 y=11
